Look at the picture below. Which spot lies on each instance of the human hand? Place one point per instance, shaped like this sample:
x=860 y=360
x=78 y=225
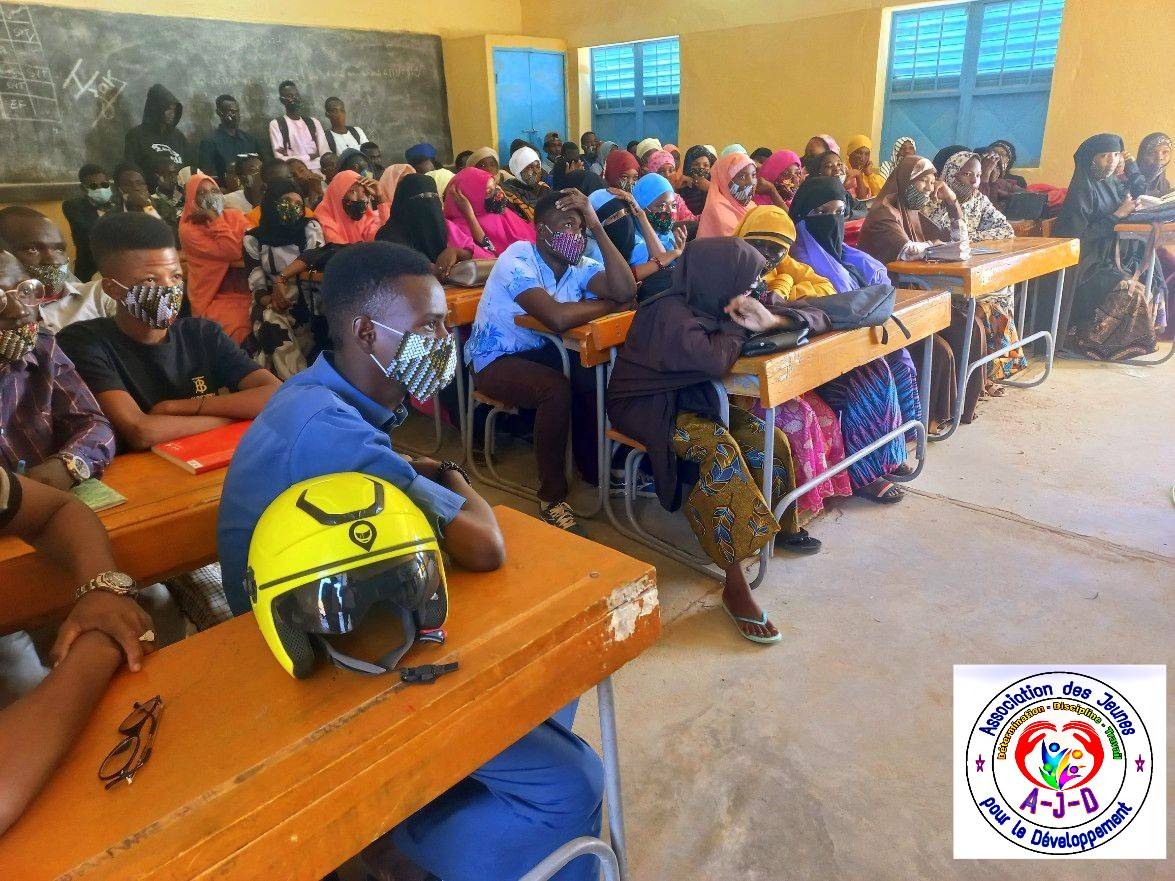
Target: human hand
x=680 y=236
x=765 y=187
x=446 y=260
x=119 y=617
x=177 y=407
x=944 y=193
x=52 y=472
x=279 y=300
x=460 y=199
x=573 y=200
x=426 y=467
x=371 y=187
x=626 y=197
x=747 y=312
x=1127 y=207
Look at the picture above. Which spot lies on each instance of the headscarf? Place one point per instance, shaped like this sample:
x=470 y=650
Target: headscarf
x=416 y=217
x=587 y=182
x=891 y=223
x=732 y=148
x=712 y=272
x=442 y=176
x=722 y=213
x=190 y=206
x=621 y=231
x=482 y=153
x=768 y=222
x=209 y=273
x=521 y=158
x=713 y=151
x=941 y=157
x=387 y=186
x=1011 y=151
x=675 y=175
x=618 y=163
x=820 y=241
x=777 y=163
x=337 y=227
x=658 y=159
x=270 y=230
x=1089 y=199
x=604 y=151
x=984 y=221
x=887 y=167
x=419 y=152
x=646 y=146
x=829 y=142
x=503 y=229
x=1156 y=178
x=649 y=188
x=812 y=193
x=855 y=143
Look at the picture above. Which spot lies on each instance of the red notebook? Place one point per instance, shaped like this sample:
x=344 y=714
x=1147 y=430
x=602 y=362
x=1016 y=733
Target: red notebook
x=202 y=452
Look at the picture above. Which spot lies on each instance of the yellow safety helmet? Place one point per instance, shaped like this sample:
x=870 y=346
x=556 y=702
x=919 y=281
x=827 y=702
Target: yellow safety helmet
x=325 y=551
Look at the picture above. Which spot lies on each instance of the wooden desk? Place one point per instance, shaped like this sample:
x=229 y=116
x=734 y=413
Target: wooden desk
x=1016 y=260
x=256 y=775
x=462 y=303
x=1141 y=232
x=595 y=340
x=1034 y=228
x=166 y=526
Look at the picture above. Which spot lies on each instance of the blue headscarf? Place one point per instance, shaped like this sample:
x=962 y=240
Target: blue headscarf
x=649 y=188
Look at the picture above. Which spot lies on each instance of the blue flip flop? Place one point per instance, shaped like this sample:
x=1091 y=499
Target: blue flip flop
x=762 y=622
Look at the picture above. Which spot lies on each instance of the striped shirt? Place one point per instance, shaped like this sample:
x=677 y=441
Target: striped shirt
x=46 y=409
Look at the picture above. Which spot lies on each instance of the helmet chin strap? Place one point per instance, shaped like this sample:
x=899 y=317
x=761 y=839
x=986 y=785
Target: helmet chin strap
x=385 y=664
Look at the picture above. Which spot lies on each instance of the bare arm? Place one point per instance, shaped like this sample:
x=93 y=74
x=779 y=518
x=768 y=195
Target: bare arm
x=255 y=390
x=143 y=430
x=473 y=537
x=558 y=317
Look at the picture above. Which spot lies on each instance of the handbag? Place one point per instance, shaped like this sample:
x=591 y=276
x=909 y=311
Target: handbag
x=774 y=341
x=1123 y=322
x=870 y=306
x=470 y=273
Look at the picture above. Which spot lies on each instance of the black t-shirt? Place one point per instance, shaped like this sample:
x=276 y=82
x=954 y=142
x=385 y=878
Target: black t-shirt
x=196 y=359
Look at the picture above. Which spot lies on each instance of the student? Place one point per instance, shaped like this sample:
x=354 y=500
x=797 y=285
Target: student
x=374 y=156
x=589 y=145
x=248 y=174
x=865 y=181
x=661 y=162
x=644 y=149
x=695 y=182
x=418 y=221
x=211 y=237
x=779 y=176
x=568 y=163
x=760 y=155
x=101 y=630
x=662 y=394
x=631 y=147
x=818 y=144
x=658 y=242
x=39 y=245
x=388 y=182
x=462 y=159
x=81 y=213
x=53 y=426
x=165 y=172
x=485 y=158
x=553 y=149
x=292 y=135
x=130 y=190
x=271 y=170
x=340 y=136
x=477 y=206
x=621 y=170
x=309 y=182
x=547 y=276
x=421 y=157
x=281 y=339
x=228 y=143
x=1154 y=156
x=732 y=187
x=349 y=212
x=902 y=148
x=525 y=186
x=328 y=165
x=157 y=134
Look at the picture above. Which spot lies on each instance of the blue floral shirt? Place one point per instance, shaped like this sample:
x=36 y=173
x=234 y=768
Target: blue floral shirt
x=520 y=268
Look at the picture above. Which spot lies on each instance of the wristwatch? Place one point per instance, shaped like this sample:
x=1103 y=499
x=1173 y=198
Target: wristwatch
x=78 y=468
x=449 y=465
x=117 y=583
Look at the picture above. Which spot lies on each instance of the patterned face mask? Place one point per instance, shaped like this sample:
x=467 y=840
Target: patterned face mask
x=423 y=364
x=289 y=213
x=915 y=198
x=568 y=245
x=51 y=276
x=18 y=341
x=355 y=210
x=962 y=190
x=213 y=202
x=742 y=193
x=661 y=220
x=496 y=202
x=155 y=305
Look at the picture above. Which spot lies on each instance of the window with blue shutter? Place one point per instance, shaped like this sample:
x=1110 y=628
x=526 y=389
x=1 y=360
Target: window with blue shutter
x=636 y=90
x=970 y=73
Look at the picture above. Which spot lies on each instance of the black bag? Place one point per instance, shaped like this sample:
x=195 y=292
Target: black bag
x=870 y=306
x=1026 y=206
x=793 y=335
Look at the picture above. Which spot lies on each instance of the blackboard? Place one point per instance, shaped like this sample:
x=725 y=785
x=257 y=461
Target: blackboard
x=72 y=82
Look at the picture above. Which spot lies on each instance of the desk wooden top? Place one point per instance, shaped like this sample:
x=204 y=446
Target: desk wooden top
x=166 y=526
x=462 y=303
x=1015 y=260
x=1142 y=230
x=258 y=775
x=595 y=340
x=775 y=379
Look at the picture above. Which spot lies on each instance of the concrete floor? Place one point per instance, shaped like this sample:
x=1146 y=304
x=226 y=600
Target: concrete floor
x=828 y=756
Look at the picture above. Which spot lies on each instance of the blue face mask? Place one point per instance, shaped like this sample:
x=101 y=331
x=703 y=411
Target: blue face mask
x=100 y=195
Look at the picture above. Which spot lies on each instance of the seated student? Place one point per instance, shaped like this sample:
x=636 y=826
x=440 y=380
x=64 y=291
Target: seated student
x=662 y=394
x=548 y=277
x=462 y=158
x=552 y=150
x=271 y=170
x=477 y=207
x=328 y=166
x=340 y=135
x=760 y=155
x=53 y=424
x=103 y=627
x=374 y=156
x=349 y=212
x=644 y=149
x=525 y=186
x=485 y=158
x=658 y=241
x=902 y=148
x=621 y=170
x=572 y=161
x=819 y=144
x=864 y=181
x=779 y=176
x=631 y=147
x=292 y=135
x=589 y=146
x=131 y=191
x=81 y=212
x=388 y=181
x=228 y=142
x=997 y=181
x=695 y=181
x=165 y=172
x=662 y=162
x=1154 y=156
x=39 y=245
x=281 y=339
x=211 y=237
x=732 y=188
x=422 y=157
x=247 y=170
x=353 y=160
x=418 y=221
x=309 y=182
x=158 y=134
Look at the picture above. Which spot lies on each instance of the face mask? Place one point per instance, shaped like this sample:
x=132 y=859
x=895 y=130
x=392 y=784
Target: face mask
x=661 y=220
x=18 y=341
x=1098 y=173
x=742 y=193
x=423 y=364
x=626 y=184
x=52 y=276
x=100 y=195
x=568 y=245
x=842 y=177
x=355 y=210
x=915 y=198
x=698 y=173
x=962 y=190
x=530 y=178
x=154 y=305
x=288 y=213
x=292 y=104
x=213 y=202
x=496 y=203
x=828 y=230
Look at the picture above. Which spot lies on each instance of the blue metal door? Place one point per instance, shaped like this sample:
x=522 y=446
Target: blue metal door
x=531 y=96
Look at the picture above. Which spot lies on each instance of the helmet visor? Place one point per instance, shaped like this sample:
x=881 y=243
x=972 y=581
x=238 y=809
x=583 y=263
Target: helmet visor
x=336 y=604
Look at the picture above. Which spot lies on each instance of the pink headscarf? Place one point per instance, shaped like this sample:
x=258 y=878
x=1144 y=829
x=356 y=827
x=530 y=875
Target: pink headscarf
x=722 y=213
x=829 y=142
x=777 y=163
x=387 y=187
x=503 y=229
x=658 y=159
x=337 y=227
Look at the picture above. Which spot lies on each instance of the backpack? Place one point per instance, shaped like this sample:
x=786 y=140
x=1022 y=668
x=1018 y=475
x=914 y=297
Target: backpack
x=330 y=138
x=870 y=306
x=284 y=128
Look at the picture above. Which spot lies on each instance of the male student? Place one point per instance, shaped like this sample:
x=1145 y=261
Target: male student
x=82 y=212
x=422 y=157
x=228 y=143
x=374 y=156
x=157 y=134
x=292 y=135
x=590 y=147
x=247 y=171
x=553 y=148
x=271 y=170
x=38 y=244
x=335 y=416
x=340 y=136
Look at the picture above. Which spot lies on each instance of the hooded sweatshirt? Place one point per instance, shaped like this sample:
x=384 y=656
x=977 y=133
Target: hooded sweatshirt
x=151 y=137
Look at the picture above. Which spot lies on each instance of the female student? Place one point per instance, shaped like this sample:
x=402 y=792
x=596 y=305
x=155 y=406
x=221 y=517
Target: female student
x=657 y=244
x=695 y=181
x=476 y=206
x=732 y=187
x=282 y=340
x=418 y=221
x=866 y=180
x=526 y=185
x=387 y=186
x=818 y=144
x=902 y=148
x=349 y=212
x=211 y=237
x=778 y=178
x=621 y=170
x=661 y=162
x=662 y=394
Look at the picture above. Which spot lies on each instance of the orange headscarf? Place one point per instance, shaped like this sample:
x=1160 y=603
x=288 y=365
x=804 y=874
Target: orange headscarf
x=337 y=227
x=210 y=249
x=722 y=213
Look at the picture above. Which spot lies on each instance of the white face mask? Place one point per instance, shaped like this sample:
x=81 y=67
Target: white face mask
x=742 y=193
x=422 y=364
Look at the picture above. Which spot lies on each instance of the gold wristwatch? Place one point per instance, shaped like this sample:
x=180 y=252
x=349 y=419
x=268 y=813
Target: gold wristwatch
x=117 y=583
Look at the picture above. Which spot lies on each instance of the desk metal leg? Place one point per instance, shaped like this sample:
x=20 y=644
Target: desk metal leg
x=615 y=802
x=768 y=474
x=603 y=463
x=1050 y=340
x=1150 y=281
x=924 y=379
x=962 y=360
x=586 y=846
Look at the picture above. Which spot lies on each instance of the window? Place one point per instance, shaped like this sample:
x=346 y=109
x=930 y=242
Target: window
x=972 y=72
x=636 y=90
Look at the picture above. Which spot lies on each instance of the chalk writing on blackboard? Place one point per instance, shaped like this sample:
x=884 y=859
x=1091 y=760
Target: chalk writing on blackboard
x=105 y=87
x=27 y=92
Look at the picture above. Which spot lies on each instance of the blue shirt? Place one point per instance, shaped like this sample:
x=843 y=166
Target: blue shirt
x=317 y=423
x=520 y=268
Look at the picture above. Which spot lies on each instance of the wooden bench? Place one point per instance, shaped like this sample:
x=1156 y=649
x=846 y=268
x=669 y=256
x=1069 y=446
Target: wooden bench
x=256 y=775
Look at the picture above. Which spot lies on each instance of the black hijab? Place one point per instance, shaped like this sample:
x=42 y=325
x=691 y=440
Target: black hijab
x=827 y=230
x=941 y=157
x=1155 y=178
x=587 y=182
x=417 y=219
x=1089 y=198
x=270 y=230
x=621 y=231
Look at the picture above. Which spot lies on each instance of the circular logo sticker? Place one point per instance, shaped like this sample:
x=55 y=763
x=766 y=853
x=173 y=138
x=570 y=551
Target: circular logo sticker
x=1059 y=763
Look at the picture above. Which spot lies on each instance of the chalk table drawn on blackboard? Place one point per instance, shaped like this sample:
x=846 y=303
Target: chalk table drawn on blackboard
x=27 y=92
x=104 y=87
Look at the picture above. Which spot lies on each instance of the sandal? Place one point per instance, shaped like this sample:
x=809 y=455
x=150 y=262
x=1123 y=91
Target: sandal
x=798 y=542
x=885 y=493
x=739 y=621
x=903 y=470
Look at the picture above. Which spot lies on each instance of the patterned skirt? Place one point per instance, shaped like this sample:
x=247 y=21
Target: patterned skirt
x=813 y=433
x=869 y=405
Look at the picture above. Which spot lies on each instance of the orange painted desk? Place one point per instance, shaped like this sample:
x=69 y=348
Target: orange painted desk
x=594 y=341
x=166 y=526
x=1015 y=262
x=1164 y=236
x=256 y=775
